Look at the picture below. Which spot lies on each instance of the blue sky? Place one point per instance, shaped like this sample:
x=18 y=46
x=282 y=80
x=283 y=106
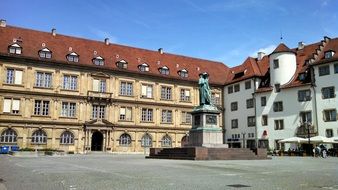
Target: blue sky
x=226 y=31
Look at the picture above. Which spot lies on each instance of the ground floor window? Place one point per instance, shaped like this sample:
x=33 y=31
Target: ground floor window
x=67 y=138
x=125 y=140
x=329 y=133
x=146 y=141
x=184 y=141
x=8 y=136
x=166 y=141
x=263 y=144
x=250 y=144
x=39 y=137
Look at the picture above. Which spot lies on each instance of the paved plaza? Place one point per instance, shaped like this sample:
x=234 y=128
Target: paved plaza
x=107 y=171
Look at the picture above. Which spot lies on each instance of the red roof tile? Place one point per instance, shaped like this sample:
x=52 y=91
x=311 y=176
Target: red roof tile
x=282 y=48
x=60 y=45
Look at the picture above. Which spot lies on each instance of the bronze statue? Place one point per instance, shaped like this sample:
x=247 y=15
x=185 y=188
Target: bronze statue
x=205 y=94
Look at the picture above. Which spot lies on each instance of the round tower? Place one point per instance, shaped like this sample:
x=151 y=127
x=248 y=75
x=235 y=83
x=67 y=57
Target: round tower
x=283 y=65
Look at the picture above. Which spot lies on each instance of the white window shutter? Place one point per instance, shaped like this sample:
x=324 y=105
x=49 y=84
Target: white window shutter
x=128 y=114
x=149 y=91
x=187 y=92
x=144 y=90
x=18 y=77
x=122 y=111
x=96 y=85
x=16 y=105
x=7 y=105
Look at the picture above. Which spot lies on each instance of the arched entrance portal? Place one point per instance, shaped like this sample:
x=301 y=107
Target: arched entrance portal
x=97 y=141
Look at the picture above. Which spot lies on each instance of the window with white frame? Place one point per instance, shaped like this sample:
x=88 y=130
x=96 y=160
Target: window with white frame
x=147 y=91
x=147 y=115
x=234 y=123
x=98 y=61
x=43 y=79
x=73 y=57
x=125 y=114
x=166 y=92
x=328 y=54
x=305 y=117
x=99 y=85
x=15 y=49
x=67 y=138
x=167 y=116
x=8 y=136
x=185 y=95
x=264 y=120
x=328 y=92
x=336 y=68
x=13 y=76
x=248 y=85
x=215 y=98
x=251 y=121
x=279 y=124
x=330 y=115
x=324 y=70
x=69 y=82
x=122 y=64
x=41 y=107
x=68 y=109
x=143 y=67
x=304 y=95
x=166 y=141
x=126 y=88
x=45 y=53
x=186 y=117
x=98 y=111
x=39 y=137
x=183 y=73
x=277 y=87
x=125 y=140
x=11 y=106
x=250 y=103
x=146 y=140
x=278 y=106
x=234 y=106
x=164 y=70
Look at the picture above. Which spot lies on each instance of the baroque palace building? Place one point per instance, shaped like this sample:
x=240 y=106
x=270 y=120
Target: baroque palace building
x=80 y=95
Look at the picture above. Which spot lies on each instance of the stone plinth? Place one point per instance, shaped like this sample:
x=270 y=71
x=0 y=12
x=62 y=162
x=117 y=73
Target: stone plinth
x=205 y=131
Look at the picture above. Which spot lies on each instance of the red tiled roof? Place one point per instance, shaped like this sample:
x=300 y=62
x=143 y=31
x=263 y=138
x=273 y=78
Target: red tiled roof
x=282 y=48
x=60 y=46
x=332 y=45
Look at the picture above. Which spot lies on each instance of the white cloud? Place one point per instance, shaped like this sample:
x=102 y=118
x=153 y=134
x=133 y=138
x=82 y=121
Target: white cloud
x=267 y=50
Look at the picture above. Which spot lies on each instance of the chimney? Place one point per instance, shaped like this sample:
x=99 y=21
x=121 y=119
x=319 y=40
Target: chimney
x=53 y=31
x=160 y=50
x=106 y=41
x=260 y=55
x=301 y=45
x=2 y=23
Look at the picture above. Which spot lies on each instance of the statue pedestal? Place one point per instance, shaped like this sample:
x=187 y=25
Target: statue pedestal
x=205 y=131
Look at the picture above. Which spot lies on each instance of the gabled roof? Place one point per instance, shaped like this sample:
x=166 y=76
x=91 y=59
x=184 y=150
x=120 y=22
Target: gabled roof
x=282 y=48
x=62 y=45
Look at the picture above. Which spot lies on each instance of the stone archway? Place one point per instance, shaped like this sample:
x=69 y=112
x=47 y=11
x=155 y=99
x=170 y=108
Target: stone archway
x=97 y=141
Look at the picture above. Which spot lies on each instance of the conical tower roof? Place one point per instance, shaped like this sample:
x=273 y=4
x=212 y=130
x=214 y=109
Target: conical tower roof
x=282 y=48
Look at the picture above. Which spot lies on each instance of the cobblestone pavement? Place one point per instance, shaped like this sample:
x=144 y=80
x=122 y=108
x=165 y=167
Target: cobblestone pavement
x=106 y=171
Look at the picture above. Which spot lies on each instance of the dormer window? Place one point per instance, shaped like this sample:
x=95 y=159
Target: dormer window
x=98 y=61
x=122 y=64
x=15 y=49
x=45 y=53
x=329 y=54
x=183 y=73
x=143 y=67
x=164 y=70
x=73 y=57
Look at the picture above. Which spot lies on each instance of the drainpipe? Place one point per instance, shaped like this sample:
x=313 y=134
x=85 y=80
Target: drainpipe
x=255 y=103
